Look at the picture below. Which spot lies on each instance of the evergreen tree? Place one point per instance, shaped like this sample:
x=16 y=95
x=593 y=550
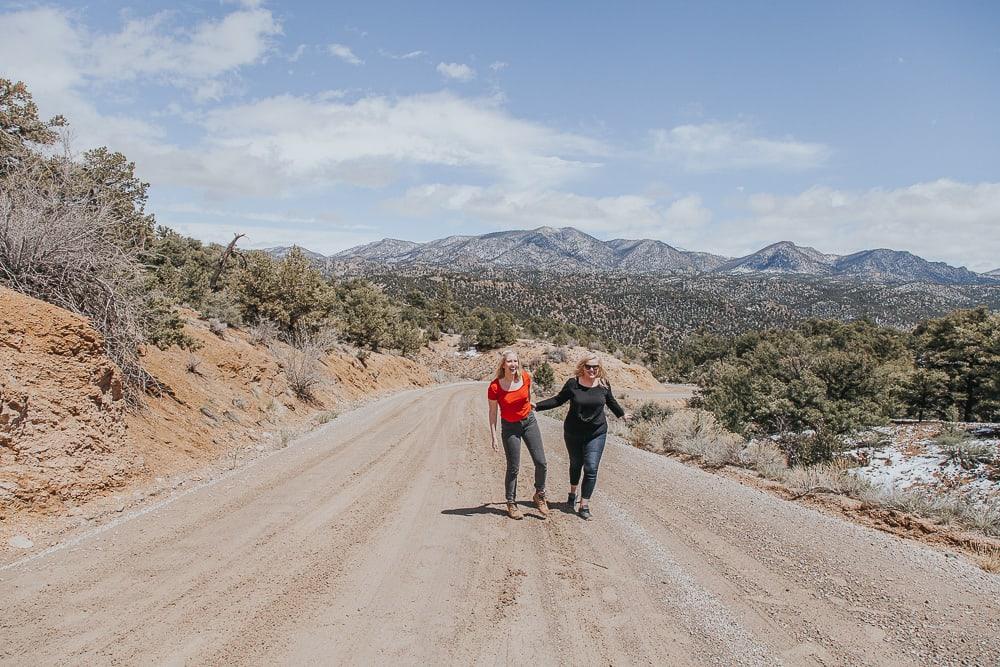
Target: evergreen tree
x=545 y=377
x=965 y=345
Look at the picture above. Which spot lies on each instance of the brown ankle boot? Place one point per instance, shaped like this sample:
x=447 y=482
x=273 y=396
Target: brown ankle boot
x=513 y=512
x=540 y=503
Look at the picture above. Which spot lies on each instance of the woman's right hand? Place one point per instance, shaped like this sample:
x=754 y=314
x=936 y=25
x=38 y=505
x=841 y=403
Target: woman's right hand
x=493 y=442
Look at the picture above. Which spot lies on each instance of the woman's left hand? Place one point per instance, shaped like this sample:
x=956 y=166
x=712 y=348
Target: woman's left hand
x=627 y=416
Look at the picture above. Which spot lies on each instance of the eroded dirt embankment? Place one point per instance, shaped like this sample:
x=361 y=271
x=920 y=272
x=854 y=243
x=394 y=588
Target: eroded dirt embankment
x=62 y=414
x=66 y=435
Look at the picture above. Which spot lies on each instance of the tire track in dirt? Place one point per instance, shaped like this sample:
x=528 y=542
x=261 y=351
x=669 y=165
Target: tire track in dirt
x=381 y=539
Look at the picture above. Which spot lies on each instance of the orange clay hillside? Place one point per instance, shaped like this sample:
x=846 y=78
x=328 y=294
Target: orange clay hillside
x=62 y=414
x=65 y=432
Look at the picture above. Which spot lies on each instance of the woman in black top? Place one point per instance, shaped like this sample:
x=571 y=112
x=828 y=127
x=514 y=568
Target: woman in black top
x=585 y=428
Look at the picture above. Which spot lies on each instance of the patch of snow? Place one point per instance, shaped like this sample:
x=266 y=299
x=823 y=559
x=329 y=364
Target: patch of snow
x=892 y=469
x=915 y=461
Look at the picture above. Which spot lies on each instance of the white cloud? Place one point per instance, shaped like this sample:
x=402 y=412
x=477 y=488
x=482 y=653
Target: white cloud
x=728 y=146
x=624 y=215
x=281 y=143
x=941 y=220
x=297 y=54
x=498 y=66
x=345 y=54
x=54 y=54
x=456 y=71
x=403 y=56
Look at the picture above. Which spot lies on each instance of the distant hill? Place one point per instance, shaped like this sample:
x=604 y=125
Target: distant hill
x=626 y=289
x=568 y=250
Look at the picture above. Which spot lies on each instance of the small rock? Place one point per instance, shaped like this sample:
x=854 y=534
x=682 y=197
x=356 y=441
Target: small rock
x=21 y=542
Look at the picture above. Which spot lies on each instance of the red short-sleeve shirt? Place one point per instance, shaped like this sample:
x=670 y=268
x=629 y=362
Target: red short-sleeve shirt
x=514 y=405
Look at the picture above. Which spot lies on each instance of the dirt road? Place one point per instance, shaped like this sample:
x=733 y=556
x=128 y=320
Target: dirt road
x=377 y=539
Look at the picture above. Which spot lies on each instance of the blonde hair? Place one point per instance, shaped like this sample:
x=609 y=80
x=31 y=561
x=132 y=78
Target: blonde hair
x=502 y=366
x=602 y=377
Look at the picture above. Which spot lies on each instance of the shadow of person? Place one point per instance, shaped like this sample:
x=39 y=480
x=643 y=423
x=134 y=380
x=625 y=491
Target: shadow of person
x=499 y=509
x=485 y=508
x=564 y=507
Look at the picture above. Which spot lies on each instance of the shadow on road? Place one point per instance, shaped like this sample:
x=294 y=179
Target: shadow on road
x=493 y=508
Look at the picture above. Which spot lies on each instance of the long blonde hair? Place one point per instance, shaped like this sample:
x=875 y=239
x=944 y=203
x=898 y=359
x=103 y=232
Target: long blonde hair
x=501 y=367
x=602 y=377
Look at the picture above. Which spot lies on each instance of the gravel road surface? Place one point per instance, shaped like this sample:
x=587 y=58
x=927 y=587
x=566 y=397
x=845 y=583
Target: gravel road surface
x=380 y=538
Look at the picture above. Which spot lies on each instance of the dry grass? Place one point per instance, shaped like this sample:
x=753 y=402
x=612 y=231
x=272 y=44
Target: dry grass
x=192 y=364
x=827 y=477
x=987 y=557
x=303 y=370
x=695 y=433
x=264 y=332
x=765 y=457
x=217 y=327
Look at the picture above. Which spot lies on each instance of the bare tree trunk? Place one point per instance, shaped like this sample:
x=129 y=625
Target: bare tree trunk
x=214 y=282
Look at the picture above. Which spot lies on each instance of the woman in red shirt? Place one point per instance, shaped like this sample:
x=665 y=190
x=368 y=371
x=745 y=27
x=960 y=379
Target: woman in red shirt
x=510 y=394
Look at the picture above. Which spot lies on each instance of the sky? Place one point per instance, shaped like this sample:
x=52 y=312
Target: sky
x=713 y=126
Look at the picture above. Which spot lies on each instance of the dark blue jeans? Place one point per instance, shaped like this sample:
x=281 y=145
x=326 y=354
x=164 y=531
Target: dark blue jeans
x=585 y=456
x=513 y=433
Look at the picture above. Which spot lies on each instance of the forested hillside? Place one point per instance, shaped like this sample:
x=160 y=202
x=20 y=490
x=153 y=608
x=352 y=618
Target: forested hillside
x=627 y=309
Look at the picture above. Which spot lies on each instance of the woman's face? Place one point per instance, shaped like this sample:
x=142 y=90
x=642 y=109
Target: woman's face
x=511 y=363
x=591 y=367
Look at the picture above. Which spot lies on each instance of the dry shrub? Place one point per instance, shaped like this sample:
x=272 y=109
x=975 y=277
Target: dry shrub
x=984 y=517
x=651 y=411
x=646 y=435
x=217 y=327
x=557 y=355
x=324 y=339
x=764 y=457
x=988 y=557
x=264 y=332
x=192 y=364
x=303 y=370
x=697 y=433
x=945 y=509
x=722 y=449
x=832 y=477
x=968 y=453
x=57 y=244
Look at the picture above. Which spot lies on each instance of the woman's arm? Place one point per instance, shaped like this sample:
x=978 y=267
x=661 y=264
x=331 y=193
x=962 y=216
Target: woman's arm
x=564 y=395
x=494 y=408
x=612 y=403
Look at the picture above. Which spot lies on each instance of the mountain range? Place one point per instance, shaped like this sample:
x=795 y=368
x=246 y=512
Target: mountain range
x=568 y=250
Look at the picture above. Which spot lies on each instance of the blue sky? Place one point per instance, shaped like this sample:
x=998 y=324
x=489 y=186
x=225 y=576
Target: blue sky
x=720 y=127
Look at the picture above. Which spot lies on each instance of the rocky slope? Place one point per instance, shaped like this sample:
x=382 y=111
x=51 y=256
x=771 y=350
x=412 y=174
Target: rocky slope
x=569 y=250
x=63 y=432
x=66 y=435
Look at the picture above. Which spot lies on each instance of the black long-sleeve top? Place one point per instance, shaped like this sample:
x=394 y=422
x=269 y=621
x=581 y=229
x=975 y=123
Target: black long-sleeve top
x=586 y=407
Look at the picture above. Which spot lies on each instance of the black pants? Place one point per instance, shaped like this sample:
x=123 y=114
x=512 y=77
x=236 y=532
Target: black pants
x=512 y=434
x=585 y=456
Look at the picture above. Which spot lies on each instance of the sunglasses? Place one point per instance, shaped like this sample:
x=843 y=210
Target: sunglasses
x=591 y=368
